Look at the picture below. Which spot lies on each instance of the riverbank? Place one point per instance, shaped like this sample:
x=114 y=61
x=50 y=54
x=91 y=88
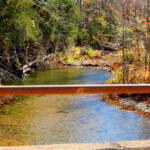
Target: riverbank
x=44 y=62
x=137 y=103
x=87 y=57
x=125 y=145
x=100 y=60
x=108 y=60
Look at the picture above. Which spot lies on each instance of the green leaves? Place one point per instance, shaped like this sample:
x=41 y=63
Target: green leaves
x=56 y=21
x=29 y=28
x=18 y=23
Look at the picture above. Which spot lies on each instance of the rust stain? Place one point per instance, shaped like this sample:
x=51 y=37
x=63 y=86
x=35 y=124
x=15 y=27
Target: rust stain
x=74 y=89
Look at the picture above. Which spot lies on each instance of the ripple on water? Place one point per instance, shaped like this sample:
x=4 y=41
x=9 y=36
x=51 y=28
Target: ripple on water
x=49 y=119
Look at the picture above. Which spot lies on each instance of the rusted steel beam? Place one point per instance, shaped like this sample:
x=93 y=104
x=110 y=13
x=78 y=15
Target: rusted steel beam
x=74 y=89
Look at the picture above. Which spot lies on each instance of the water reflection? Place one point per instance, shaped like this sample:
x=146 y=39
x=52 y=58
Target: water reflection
x=50 y=119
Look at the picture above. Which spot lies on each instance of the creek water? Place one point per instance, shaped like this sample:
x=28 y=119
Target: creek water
x=55 y=119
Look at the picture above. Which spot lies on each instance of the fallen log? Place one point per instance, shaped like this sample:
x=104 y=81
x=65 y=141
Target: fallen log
x=26 y=68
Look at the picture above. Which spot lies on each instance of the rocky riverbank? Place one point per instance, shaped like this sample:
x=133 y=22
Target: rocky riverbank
x=82 y=57
x=138 y=103
x=92 y=64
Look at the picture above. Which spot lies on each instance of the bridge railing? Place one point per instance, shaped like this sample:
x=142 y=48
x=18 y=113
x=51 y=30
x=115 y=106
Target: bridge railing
x=74 y=89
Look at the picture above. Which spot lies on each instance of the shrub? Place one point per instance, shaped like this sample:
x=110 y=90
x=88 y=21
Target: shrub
x=77 y=53
x=91 y=53
x=70 y=61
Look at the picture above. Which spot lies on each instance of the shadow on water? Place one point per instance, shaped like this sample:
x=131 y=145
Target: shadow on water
x=49 y=119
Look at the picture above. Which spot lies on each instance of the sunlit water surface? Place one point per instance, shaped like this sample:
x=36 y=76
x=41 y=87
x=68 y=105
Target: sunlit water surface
x=51 y=119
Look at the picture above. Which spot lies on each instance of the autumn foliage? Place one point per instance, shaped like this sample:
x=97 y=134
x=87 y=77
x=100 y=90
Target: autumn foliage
x=125 y=23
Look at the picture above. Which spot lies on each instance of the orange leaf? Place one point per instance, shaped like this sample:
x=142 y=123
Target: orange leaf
x=125 y=12
x=98 y=41
x=114 y=64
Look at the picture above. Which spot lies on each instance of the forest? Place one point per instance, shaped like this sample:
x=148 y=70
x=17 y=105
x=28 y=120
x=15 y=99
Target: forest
x=76 y=47
x=111 y=30
x=32 y=29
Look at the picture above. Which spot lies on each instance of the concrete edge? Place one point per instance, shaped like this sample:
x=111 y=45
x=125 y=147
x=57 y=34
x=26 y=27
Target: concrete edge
x=136 y=145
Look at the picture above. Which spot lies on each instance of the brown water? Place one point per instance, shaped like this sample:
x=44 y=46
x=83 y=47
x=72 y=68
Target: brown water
x=50 y=119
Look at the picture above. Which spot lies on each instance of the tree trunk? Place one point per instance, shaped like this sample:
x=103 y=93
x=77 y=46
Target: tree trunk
x=148 y=30
x=80 y=3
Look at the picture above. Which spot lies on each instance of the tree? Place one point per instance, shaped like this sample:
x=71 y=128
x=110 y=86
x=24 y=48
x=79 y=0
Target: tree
x=127 y=24
x=29 y=28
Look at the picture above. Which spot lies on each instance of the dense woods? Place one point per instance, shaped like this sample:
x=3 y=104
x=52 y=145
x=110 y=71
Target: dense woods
x=31 y=29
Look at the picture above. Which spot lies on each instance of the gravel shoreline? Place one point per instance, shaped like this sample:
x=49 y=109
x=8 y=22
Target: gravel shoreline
x=137 y=103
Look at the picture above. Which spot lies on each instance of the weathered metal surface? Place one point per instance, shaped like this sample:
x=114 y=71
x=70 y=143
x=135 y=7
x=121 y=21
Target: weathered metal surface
x=74 y=89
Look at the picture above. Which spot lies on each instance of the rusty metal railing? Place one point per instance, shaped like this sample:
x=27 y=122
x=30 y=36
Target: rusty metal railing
x=74 y=89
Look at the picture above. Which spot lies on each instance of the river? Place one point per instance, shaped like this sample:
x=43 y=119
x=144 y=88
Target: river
x=55 y=119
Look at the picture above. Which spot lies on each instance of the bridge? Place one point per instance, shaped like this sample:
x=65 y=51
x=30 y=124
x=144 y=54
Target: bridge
x=75 y=89
x=80 y=89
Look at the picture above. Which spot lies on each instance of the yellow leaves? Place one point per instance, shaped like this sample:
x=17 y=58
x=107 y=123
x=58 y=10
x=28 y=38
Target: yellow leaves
x=85 y=1
x=131 y=5
x=33 y=24
x=128 y=30
x=141 y=49
x=138 y=29
x=133 y=42
x=90 y=19
x=147 y=74
x=104 y=23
